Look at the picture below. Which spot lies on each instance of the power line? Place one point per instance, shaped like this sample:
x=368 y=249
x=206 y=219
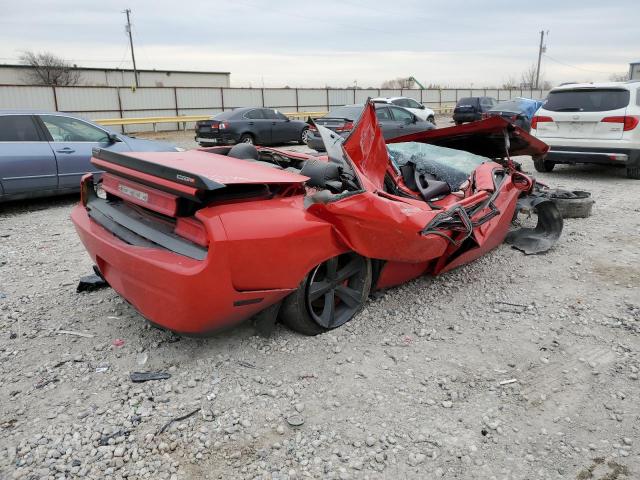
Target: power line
x=574 y=66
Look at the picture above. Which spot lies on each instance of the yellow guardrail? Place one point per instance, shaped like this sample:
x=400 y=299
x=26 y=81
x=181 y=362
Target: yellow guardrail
x=184 y=119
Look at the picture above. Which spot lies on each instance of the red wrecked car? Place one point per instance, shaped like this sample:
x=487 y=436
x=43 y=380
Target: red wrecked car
x=204 y=239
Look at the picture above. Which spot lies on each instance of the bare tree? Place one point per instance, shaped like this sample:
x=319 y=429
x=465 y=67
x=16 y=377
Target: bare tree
x=48 y=69
x=400 y=82
x=619 y=77
x=528 y=77
x=510 y=83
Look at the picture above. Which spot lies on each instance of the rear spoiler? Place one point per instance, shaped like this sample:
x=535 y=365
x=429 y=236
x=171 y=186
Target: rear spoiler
x=153 y=174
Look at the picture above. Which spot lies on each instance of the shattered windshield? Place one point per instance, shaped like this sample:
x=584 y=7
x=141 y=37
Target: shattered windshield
x=446 y=164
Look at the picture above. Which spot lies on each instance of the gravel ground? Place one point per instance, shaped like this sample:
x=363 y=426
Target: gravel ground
x=512 y=367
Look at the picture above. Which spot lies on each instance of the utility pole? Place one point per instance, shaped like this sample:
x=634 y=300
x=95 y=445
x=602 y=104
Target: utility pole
x=133 y=55
x=542 y=48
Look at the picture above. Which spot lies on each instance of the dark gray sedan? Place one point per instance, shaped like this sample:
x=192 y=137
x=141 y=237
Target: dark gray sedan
x=257 y=125
x=394 y=122
x=46 y=153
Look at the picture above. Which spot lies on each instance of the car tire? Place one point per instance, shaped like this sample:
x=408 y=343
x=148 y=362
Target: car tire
x=318 y=304
x=247 y=138
x=304 y=136
x=572 y=204
x=431 y=119
x=542 y=165
x=633 y=172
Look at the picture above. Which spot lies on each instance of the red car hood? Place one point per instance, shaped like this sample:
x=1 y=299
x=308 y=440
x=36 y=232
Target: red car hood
x=485 y=138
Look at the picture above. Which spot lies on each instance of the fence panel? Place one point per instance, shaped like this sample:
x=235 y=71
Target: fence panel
x=415 y=94
x=390 y=93
x=148 y=98
x=280 y=97
x=341 y=97
x=87 y=98
x=492 y=93
x=242 y=97
x=362 y=95
x=308 y=97
x=209 y=98
x=33 y=98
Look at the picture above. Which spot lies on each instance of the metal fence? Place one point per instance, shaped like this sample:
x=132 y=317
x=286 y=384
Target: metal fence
x=121 y=102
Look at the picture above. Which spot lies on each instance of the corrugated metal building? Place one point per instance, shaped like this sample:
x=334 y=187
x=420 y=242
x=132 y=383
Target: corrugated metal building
x=114 y=77
x=634 y=70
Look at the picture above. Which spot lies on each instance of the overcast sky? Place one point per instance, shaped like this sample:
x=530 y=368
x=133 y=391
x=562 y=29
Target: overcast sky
x=335 y=42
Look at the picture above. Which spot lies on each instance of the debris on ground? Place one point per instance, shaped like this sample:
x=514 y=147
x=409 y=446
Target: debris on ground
x=139 y=377
x=91 y=283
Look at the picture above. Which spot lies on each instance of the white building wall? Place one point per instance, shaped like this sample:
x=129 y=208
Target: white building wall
x=10 y=75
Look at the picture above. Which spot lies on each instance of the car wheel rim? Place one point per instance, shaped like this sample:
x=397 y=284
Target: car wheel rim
x=305 y=136
x=336 y=289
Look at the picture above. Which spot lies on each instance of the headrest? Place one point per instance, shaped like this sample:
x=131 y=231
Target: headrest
x=244 y=151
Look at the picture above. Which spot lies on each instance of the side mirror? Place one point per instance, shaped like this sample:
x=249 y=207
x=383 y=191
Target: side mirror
x=422 y=107
x=408 y=121
x=113 y=138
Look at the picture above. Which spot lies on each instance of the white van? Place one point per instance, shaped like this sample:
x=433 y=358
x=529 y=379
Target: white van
x=591 y=123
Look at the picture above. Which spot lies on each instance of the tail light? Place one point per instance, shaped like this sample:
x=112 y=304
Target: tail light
x=629 y=122
x=223 y=125
x=540 y=119
x=85 y=184
x=312 y=128
x=192 y=229
x=347 y=127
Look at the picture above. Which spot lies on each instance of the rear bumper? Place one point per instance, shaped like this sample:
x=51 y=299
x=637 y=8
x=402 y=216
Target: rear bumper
x=182 y=294
x=603 y=156
x=218 y=139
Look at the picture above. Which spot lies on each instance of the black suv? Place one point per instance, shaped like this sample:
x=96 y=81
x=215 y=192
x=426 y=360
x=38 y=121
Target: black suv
x=470 y=109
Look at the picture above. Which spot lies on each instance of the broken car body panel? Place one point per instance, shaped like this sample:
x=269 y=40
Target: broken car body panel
x=258 y=227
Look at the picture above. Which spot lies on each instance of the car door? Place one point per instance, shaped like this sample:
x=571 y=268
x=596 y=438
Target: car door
x=258 y=125
x=27 y=162
x=282 y=129
x=405 y=121
x=72 y=141
x=416 y=108
x=386 y=122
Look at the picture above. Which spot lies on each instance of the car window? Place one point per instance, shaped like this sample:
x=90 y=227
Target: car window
x=67 y=129
x=470 y=101
x=413 y=104
x=18 y=128
x=383 y=114
x=399 y=101
x=273 y=114
x=487 y=102
x=587 y=100
x=401 y=115
x=254 y=114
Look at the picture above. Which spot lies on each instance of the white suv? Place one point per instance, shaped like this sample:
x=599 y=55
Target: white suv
x=591 y=123
x=415 y=107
